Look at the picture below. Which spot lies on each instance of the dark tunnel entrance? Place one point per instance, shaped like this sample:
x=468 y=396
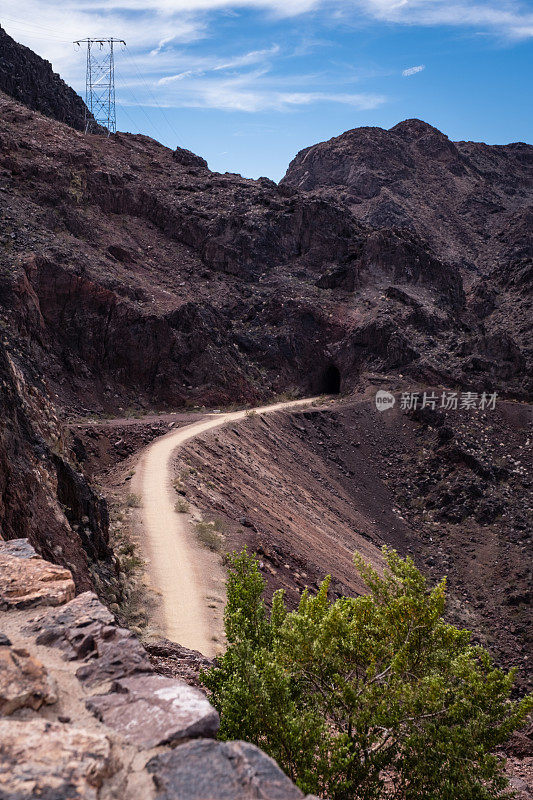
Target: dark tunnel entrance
x=331 y=382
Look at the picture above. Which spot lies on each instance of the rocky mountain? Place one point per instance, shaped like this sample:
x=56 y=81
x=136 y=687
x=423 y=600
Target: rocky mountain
x=471 y=203
x=463 y=198
x=30 y=79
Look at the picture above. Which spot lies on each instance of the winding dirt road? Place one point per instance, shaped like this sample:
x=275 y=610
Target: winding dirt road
x=167 y=538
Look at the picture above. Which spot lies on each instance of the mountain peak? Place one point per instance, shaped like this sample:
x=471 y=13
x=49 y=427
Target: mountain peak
x=414 y=129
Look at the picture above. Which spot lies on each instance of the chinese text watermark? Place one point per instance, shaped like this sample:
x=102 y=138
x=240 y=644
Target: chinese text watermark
x=449 y=401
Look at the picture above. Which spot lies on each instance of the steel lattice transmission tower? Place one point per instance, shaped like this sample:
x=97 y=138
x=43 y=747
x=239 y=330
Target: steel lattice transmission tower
x=100 y=83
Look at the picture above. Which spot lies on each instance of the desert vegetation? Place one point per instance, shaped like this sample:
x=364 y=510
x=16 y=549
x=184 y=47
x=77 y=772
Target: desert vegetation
x=368 y=697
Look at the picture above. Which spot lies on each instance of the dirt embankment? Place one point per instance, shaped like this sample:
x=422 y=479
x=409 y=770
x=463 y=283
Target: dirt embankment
x=307 y=489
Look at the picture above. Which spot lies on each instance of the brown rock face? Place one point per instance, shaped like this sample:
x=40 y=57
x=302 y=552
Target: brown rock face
x=42 y=497
x=30 y=79
x=458 y=196
x=222 y=289
x=85 y=630
x=50 y=760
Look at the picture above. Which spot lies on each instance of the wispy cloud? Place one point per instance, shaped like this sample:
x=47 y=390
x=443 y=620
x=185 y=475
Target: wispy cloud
x=413 y=70
x=509 y=19
x=214 y=65
x=256 y=90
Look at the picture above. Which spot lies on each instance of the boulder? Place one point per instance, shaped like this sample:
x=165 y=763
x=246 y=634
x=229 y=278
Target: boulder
x=40 y=759
x=175 y=661
x=208 y=770
x=24 y=681
x=26 y=580
x=150 y=710
x=188 y=159
x=69 y=627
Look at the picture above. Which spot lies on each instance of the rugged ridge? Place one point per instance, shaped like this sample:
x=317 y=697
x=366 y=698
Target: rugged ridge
x=27 y=77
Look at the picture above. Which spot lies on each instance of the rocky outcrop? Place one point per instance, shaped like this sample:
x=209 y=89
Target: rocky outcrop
x=151 y=710
x=62 y=740
x=28 y=581
x=30 y=79
x=24 y=681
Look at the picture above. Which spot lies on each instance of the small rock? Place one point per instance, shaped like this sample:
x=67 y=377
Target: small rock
x=24 y=682
x=150 y=710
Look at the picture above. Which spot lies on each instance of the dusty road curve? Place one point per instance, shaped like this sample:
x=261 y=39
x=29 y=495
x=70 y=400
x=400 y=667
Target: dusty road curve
x=167 y=538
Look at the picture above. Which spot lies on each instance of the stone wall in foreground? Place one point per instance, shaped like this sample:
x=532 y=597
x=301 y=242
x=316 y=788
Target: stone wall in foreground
x=84 y=715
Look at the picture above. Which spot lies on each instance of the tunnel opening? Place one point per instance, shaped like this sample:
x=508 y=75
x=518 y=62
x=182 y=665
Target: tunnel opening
x=331 y=381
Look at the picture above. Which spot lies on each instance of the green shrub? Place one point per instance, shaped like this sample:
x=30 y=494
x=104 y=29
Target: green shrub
x=364 y=693
x=208 y=536
x=181 y=507
x=133 y=501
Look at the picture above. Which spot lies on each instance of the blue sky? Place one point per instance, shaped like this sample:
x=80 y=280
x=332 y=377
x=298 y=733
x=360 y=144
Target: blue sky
x=247 y=84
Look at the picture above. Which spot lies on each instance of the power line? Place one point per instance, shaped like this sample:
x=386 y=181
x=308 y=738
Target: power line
x=23 y=23
x=154 y=98
x=138 y=103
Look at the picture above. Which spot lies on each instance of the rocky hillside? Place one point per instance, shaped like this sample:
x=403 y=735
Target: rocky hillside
x=27 y=77
x=463 y=198
x=470 y=202
x=450 y=488
x=133 y=276
x=42 y=494
x=139 y=274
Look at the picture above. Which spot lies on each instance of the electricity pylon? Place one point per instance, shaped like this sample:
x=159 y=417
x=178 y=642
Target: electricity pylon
x=100 y=83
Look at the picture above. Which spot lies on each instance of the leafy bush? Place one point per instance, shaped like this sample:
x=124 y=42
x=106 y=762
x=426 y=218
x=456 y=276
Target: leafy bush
x=133 y=501
x=208 y=536
x=182 y=506
x=365 y=697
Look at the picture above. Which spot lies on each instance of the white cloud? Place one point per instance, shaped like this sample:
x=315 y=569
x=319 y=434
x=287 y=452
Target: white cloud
x=160 y=33
x=413 y=70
